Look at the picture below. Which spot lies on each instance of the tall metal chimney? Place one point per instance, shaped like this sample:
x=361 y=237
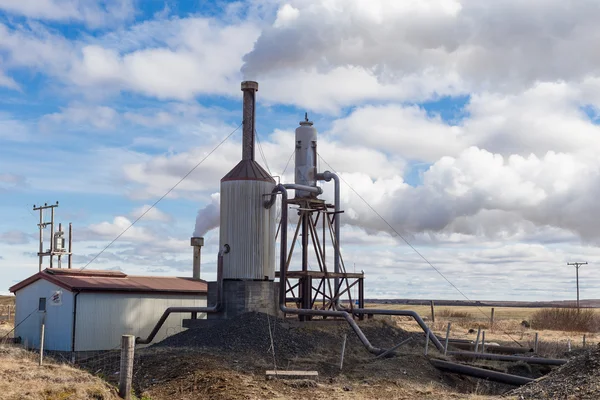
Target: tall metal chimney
x=249 y=88
x=196 y=243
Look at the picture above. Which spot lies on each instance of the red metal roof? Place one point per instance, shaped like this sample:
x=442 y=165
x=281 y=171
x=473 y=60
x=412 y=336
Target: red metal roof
x=114 y=281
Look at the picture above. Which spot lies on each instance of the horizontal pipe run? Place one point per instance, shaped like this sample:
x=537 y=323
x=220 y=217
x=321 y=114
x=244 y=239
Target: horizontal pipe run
x=481 y=373
x=305 y=188
x=502 y=357
x=175 y=310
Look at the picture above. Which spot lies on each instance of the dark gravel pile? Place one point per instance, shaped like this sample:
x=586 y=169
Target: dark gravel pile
x=577 y=379
x=249 y=333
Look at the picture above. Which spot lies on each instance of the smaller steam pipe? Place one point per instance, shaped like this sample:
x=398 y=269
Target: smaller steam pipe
x=282 y=278
x=173 y=310
x=481 y=373
x=327 y=176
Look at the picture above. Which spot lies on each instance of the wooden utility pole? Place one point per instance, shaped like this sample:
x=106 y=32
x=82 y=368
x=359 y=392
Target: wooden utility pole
x=577 y=265
x=432 y=312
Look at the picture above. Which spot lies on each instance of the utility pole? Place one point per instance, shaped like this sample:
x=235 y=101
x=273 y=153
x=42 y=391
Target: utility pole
x=577 y=265
x=57 y=241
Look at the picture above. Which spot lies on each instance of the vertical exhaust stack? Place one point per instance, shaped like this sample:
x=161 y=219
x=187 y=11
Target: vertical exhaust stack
x=249 y=113
x=196 y=243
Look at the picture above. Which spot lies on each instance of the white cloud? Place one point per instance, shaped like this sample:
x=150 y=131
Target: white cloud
x=93 y=13
x=79 y=115
x=151 y=214
x=417 y=50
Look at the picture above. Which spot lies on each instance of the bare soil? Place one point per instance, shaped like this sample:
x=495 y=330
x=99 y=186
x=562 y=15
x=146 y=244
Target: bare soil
x=228 y=361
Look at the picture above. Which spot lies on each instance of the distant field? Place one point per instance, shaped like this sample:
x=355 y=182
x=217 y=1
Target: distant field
x=7 y=300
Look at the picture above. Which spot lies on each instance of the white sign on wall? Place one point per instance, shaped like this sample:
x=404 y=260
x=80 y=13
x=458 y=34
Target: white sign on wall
x=56 y=298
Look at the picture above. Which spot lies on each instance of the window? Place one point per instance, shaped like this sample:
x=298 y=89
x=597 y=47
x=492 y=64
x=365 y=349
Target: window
x=42 y=304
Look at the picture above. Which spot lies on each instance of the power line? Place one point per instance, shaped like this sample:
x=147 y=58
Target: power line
x=260 y=150
x=410 y=245
x=288 y=162
x=16 y=326
x=162 y=197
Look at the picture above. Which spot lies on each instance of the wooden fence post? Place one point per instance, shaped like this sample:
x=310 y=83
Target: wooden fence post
x=432 y=312
x=126 y=374
x=492 y=320
x=535 y=344
x=9 y=314
x=583 y=340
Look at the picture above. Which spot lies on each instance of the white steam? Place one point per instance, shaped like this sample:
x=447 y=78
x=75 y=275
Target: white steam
x=208 y=217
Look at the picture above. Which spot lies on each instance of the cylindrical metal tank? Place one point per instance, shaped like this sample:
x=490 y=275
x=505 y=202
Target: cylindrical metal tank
x=247 y=227
x=249 y=230
x=306 y=157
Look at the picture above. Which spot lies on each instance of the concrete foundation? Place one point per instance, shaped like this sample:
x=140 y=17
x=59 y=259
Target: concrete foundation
x=240 y=297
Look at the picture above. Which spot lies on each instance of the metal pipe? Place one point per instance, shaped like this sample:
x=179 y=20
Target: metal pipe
x=481 y=373
x=327 y=176
x=502 y=357
x=249 y=106
x=172 y=310
x=403 y=313
x=70 y=244
x=282 y=276
x=312 y=189
x=196 y=243
x=74 y=326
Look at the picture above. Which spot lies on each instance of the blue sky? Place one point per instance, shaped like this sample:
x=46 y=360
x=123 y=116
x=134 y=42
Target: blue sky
x=470 y=128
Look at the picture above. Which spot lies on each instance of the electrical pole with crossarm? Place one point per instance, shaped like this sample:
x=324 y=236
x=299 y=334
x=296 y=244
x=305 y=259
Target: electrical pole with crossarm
x=577 y=265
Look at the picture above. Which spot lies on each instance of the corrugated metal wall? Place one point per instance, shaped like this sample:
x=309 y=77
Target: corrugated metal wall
x=103 y=317
x=59 y=318
x=249 y=229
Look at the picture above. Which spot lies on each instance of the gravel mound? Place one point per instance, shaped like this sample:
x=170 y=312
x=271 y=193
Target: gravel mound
x=249 y=333
x=577 y=379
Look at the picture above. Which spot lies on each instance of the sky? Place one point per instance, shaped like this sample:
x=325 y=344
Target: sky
x=469 y=127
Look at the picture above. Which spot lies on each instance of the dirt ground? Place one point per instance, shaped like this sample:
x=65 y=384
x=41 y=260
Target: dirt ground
x=168 y=373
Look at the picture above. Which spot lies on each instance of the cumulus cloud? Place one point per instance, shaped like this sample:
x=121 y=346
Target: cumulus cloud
x=79 y=115
x=150 y=214
x=15 y=237
x=425 y=48
x=93 y=13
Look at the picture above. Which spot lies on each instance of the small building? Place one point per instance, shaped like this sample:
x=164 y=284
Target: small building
x=91 y=310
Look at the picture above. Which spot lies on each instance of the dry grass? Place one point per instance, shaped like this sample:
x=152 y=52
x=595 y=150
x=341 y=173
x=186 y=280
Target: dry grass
x=22 y=378
x=449 y=313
